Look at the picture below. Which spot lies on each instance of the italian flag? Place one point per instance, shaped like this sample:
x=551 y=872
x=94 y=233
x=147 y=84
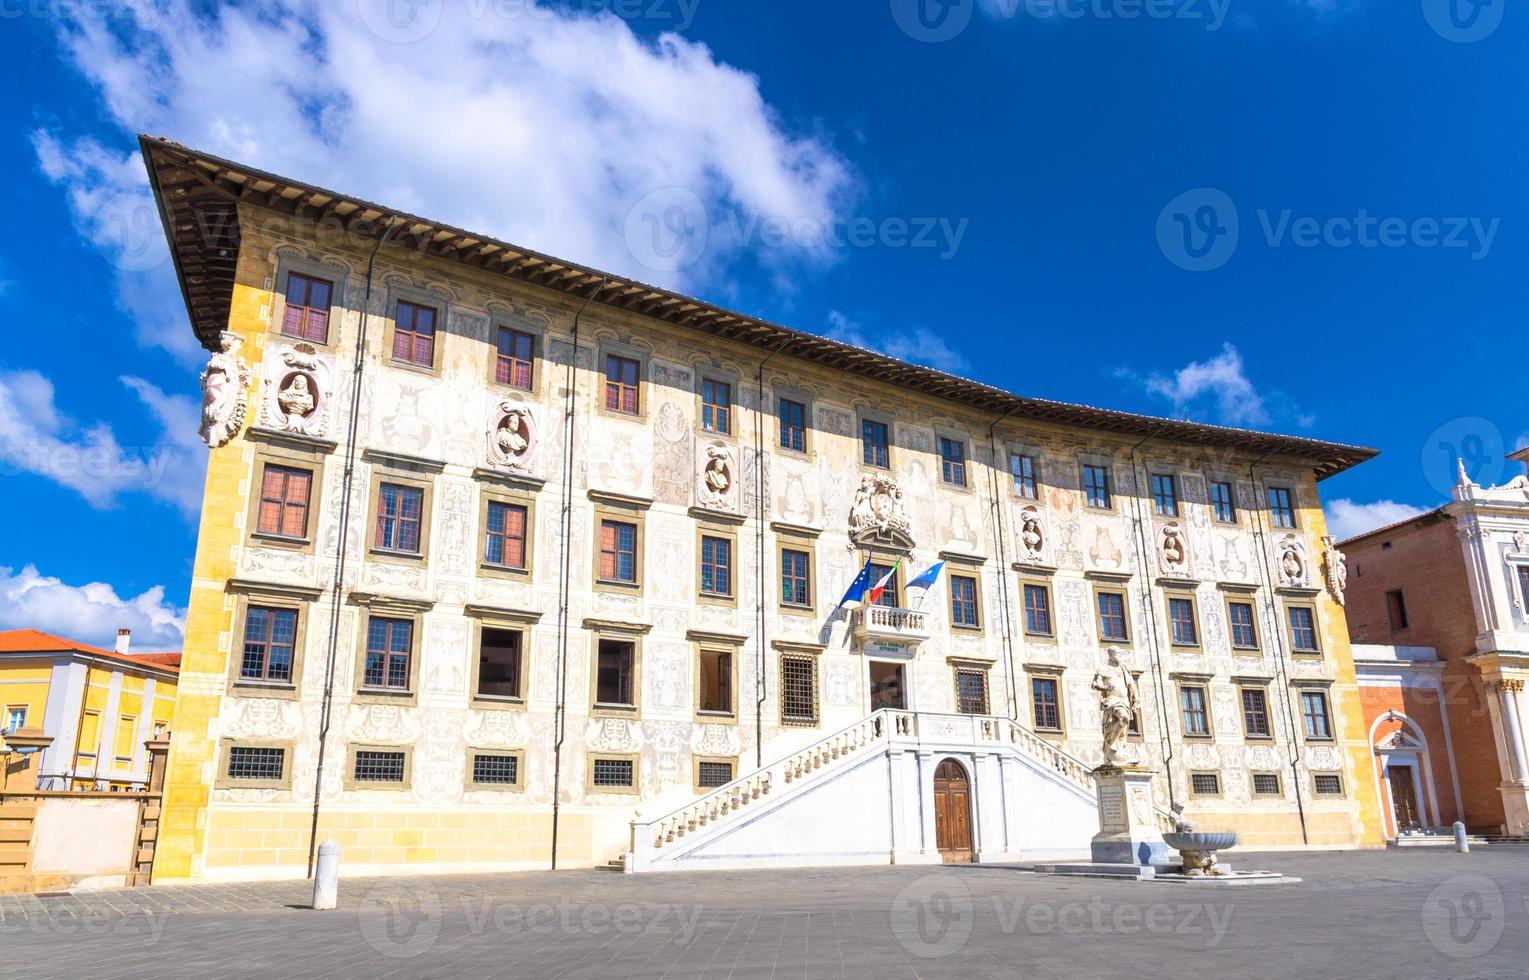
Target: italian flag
x=876 y=590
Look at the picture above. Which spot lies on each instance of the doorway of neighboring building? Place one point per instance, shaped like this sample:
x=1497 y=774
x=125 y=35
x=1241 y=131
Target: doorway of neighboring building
x=953 y=813
x=1404 y=799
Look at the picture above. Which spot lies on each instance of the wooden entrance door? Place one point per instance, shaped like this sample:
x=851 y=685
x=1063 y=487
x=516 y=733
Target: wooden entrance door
x=1404 y=798
x=952 y=813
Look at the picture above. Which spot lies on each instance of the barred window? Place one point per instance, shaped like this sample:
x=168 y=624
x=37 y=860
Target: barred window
x=971 y=692
x=1205 y=783
x=414 y=334
x=1112 y=618
x=1244 y=633
x=513 y=367
x=284 y=502
x=497 y=770
x=614 y=772
x=256 y=762
x=307 y=313
x=1046 y=700
x=1327 y=784
x=710 y=775
x=963 y=600
x=795 y=579
x=378 y=766
x=798 y=690
x=270 y=636
x=1255 y=712
x=793 y=425
x=1266 y=784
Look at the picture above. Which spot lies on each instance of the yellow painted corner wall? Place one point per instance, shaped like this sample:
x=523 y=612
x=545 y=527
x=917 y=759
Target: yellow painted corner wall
x=1347 y=710
x=209 y=619
x=24 y=684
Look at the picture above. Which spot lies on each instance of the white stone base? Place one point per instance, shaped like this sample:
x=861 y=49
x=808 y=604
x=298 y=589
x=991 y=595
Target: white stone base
x=1128 y=831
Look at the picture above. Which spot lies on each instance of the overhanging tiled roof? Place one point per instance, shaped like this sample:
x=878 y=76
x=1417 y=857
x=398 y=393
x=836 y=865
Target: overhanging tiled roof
x=198 y=196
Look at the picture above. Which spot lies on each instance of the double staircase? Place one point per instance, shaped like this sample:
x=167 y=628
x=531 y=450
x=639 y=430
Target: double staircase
x=866 y=794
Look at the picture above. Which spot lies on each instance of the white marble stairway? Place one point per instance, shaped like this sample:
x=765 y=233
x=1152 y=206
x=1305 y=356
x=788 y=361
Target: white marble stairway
x=867 y=795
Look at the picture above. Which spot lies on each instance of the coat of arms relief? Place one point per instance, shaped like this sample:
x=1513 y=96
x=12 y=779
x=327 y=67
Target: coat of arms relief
x=877 y=514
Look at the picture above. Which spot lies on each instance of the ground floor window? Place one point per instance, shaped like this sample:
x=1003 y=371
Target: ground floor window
x=798 y=690
x=971 y=692
x=1046 y=701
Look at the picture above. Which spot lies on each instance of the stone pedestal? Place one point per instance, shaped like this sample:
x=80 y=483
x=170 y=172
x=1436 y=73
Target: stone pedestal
x=1128 y=831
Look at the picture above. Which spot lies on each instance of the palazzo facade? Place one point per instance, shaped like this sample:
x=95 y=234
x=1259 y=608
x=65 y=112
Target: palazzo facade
x=589 y=563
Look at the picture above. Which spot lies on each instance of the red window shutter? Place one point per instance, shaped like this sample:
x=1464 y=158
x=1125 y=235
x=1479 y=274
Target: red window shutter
x=607 y=551
x=295 y=519
x=515 y=537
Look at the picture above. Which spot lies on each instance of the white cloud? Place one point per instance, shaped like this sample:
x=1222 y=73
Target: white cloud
x=542 y=127
x=916 y=345
x=1221 y=379
x=35 y=437
x=1346 y=518
x=88 y=613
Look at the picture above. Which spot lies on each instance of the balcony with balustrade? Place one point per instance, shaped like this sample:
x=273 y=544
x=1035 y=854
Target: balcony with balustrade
x=890 y=624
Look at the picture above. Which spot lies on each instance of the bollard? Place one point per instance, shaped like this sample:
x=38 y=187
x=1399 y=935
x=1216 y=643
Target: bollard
x=1461 y=844
x=326 y=876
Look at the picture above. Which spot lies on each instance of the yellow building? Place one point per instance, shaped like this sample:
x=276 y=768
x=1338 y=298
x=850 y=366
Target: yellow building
x=593 y=534
x=98 y=706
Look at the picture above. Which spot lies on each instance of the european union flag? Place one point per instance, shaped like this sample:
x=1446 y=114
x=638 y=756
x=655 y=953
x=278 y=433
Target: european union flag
x=928 y=576
x=856 y=592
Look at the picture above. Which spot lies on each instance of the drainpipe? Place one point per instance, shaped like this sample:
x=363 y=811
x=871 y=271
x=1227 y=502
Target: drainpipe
x=1003 y=565
x=79 y=729
x=565 y=563
x=1143 y=546
x=760 y=689
x=351 y=434
x=1277 y=637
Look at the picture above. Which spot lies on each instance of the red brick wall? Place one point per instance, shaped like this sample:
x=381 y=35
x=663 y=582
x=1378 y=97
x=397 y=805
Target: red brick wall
x=1421 y=705
x=1425 y=561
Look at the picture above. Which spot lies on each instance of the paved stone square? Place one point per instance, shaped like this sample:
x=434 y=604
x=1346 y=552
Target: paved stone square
x=1422 y=913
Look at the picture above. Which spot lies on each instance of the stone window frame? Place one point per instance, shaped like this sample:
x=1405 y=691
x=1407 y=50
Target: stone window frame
x=1323 y=688
x=1242 y=710
x=517 y=621
x=1174 y=474
x=804 y=656
x=1239 y=514
x=1334 y=773
x=702 y=643
x=382 y=608
x=272 y=596
x=787 y=539
x=610 y=347
x=1111 y=482
x=728 y=533
x=1171 y=592
x=704 y=371
x=1295 y=504
x=964 y=440
x=471 y=785
x=969 y=567
x=1057 y=675
x=225 y=750
x=403 y=472
x=1013 y=448
x=352 y=785
x=959 y=666
x=539 y=363
x=695 y=771
x=805 y=399
x=863 y=414
x=336 y=274
x=1202 y=684
x=1044 y=584
x=589 y=773
x=1288 y=603
x=1214 y=774
x=515 y=497
x=624 y=510
x=270 y=453
x=1279 y=785
x=1121 y=589
x=619 y=634
x=1248 y=597
x=437 y=299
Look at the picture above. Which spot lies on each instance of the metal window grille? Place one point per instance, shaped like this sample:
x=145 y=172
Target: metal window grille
x=1205 y=783
x=373 y=766
x=971 y=692
x=614 y=772
x=1266 y=784
x=710 y=775
x=499 y=770
x=799 y=690
x=1328 y=784
x=251 y=762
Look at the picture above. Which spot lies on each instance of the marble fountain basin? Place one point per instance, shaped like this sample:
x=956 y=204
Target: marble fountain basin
x=1201 y=841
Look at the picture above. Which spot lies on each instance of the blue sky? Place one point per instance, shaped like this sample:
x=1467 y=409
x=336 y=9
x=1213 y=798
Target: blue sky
x=1305 y=217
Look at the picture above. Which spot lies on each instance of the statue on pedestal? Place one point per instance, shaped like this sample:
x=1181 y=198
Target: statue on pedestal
x=1119 y=702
